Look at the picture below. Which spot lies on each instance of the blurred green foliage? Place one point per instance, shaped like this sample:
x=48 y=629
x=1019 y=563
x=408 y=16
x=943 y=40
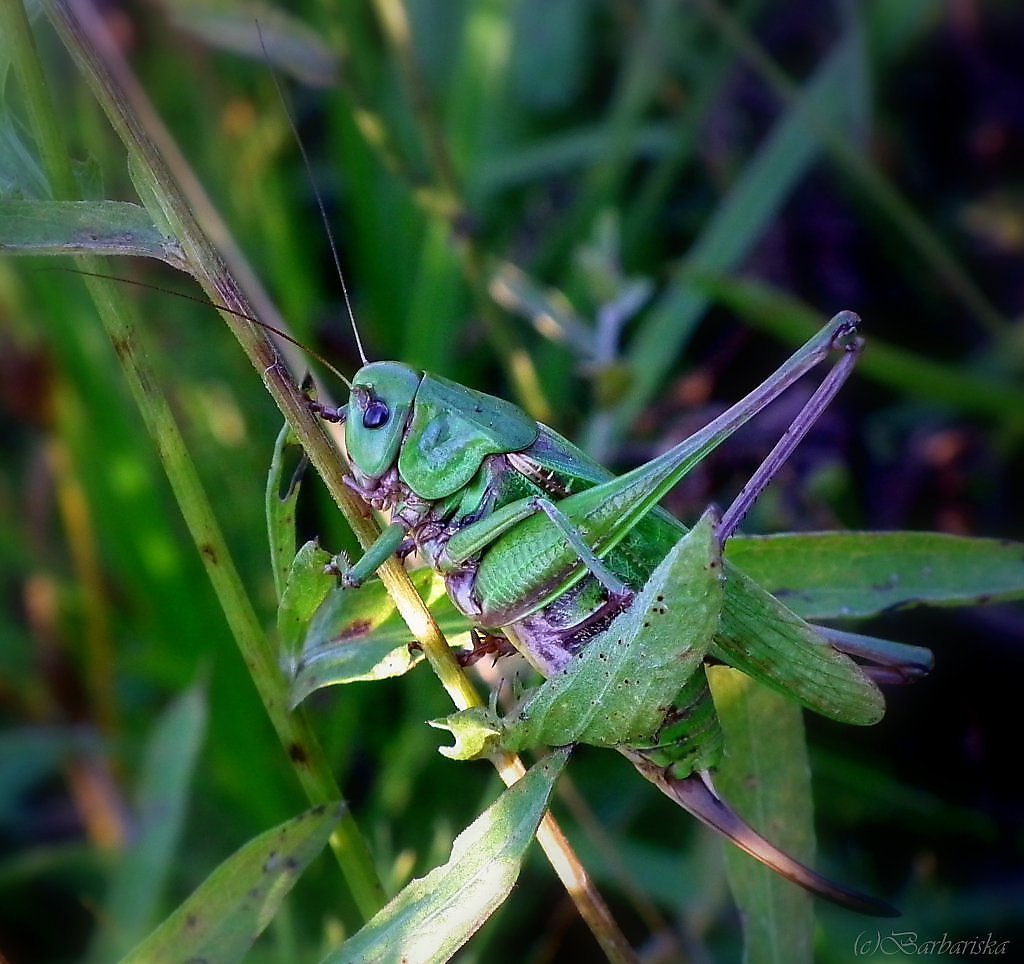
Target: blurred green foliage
x=864 y=156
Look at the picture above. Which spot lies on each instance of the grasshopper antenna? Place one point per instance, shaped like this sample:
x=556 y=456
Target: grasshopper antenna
x=316 y=194
x=200 y=301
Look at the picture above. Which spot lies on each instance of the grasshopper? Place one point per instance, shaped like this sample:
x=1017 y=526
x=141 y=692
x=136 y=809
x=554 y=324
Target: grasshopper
x=608 y=596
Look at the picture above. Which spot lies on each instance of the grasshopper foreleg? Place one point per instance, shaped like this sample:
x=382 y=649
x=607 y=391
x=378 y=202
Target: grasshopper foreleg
x=328 y=413
x=385 y=546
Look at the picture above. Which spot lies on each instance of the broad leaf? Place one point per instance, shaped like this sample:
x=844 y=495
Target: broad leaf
x=435 y=915
x=221 y=919
x=618 y=689
x=357 y=635
x=830 y=575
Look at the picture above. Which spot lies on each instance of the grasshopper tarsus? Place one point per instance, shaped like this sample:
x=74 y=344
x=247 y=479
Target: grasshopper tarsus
x=485 y=644
x=340 y=567
x=329 y=413
x=847 y=333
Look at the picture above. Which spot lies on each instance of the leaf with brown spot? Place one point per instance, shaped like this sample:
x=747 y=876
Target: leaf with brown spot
x=358 y=635
x=227 y=912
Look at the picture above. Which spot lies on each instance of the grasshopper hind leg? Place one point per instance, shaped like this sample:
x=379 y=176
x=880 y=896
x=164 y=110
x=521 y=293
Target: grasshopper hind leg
x=846 y=340
x=697 y=796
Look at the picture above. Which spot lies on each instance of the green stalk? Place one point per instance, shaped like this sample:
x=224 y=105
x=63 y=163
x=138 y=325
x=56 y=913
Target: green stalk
x=293 y=730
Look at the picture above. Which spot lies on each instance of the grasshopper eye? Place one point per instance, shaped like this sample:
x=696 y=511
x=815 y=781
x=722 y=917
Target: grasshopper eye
x=376 y=415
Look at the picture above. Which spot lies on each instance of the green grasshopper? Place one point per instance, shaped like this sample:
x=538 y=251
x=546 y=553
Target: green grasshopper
x=608 y=596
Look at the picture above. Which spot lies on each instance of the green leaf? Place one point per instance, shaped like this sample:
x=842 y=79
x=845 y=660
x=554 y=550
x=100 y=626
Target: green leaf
x=740 y=219
x=769 y=310
x=84 y=227
x=766 y=777
x=435 y=915
x=163 y=794
x=357 y=635
x=266 y=33
x=549 y=56
x=829 y=575
x=229 y=910
x=20 y=173
x=304 y=590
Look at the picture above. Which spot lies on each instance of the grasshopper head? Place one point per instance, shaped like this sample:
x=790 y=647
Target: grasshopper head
x=378 y=410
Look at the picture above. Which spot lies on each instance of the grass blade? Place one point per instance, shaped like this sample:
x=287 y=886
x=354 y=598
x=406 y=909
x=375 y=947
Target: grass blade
x=766 y=777
x=434 y=916
x=84 y=227
x=164 y=787
x=229 y=910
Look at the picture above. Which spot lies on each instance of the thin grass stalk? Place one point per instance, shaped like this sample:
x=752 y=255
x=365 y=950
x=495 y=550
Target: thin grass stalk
x=518 y=364
x=635 y=88
x=438 y=192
